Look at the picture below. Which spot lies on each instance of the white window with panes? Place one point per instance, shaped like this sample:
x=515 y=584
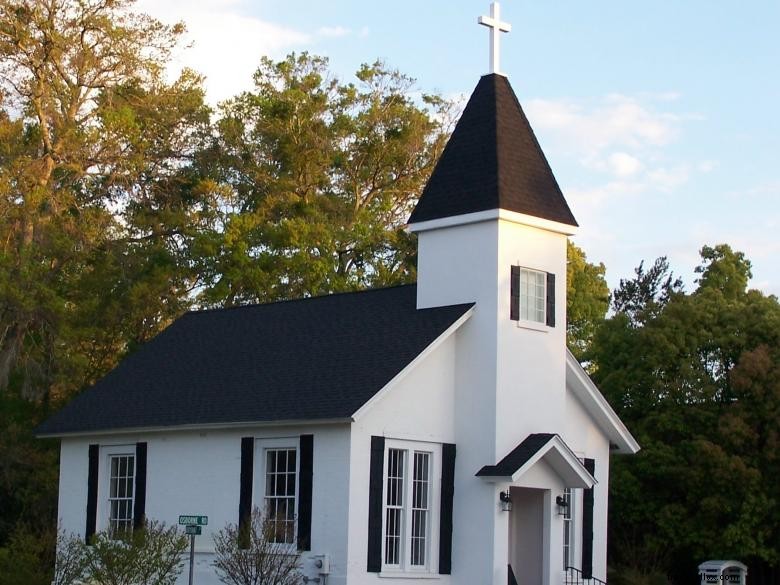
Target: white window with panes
x=568 y=530
x=279 y=487
x=410 y=510
x=121 y=493
x=532 y=295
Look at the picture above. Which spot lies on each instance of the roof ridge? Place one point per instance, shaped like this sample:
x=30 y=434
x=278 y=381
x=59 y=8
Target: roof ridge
x=297 y=300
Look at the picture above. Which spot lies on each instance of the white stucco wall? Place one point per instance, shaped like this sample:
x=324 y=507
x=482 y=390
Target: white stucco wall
x=588 y=440
x=455 y=265
x=198 y=473
x=419 y=408
x=531 y=357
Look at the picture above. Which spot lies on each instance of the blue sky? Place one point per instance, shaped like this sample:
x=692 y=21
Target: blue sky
x=659 y=119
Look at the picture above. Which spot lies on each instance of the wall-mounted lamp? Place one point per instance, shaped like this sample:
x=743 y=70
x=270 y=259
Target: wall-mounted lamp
x=506 y=501
x=563 y=505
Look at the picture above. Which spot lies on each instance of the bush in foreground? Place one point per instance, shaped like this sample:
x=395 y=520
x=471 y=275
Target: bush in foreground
x=257 y=554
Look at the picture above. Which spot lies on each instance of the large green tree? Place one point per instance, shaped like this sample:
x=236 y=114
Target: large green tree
x=695 y=378
x=311 y=180
x=94 y=138
x=95 y=212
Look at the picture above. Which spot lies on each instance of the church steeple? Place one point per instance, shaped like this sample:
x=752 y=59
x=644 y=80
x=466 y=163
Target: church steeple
x=493 y=161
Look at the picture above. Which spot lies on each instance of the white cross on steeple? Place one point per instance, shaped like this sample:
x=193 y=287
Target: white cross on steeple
x=496 y=28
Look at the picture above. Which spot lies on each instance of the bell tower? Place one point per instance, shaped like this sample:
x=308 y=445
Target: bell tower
x=492 y=227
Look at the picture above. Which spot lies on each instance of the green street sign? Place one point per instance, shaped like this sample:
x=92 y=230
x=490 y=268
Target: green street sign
x=194 y=520
x=190 y=529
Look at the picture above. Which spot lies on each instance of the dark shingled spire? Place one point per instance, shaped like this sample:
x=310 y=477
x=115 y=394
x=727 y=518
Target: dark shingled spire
x=493 y=161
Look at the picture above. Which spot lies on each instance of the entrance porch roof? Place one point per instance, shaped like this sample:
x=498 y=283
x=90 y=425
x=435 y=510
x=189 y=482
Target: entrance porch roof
x=536 y=447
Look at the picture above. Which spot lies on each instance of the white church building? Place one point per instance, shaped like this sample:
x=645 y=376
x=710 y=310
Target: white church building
x=433 y=431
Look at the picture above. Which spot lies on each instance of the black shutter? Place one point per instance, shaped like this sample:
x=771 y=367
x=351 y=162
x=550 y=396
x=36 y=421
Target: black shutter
x=550 y=300
x=514 y=294
x=139 y=506
x=305 y=491
x=245 y=495
x=445 y=514
x=92 y=492
x=587 y=525
x=375 y=484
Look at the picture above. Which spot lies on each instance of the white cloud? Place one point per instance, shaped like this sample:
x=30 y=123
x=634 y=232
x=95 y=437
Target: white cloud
x=663 y=96
x=769 y=191
x=706 y=166
x=227 y=42
x=668 y=179
x=621 y=141
x=623 y=164
x=594 y=197
x=616 y=121
x=333 y=32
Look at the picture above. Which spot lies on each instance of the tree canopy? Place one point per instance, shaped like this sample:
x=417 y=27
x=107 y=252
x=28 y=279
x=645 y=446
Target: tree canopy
x=695 y=377
x=311 y=181
x=93 y=137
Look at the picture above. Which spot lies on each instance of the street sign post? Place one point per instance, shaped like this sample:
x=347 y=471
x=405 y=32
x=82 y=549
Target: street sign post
x=193 y=524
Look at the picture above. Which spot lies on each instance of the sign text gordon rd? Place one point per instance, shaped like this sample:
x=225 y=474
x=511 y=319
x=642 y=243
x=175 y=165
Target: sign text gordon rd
x=194 y=520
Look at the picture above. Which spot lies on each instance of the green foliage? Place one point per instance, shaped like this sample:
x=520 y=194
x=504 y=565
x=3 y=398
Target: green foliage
x=93 y=140
x=634 y=577
x=28 y=470
x=695 y=377
x=71 y=560
x=27 y=557
x=587 y=300
x=93 y=216
x=724 y=270
x=152 y=555
x=311 y=180
x=649 y=291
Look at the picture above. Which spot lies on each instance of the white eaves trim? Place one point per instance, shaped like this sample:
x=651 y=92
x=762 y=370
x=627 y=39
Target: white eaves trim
x=202 y=427
x=556 y=454
x=598 y=408
x=360 y=412
x=480 y=216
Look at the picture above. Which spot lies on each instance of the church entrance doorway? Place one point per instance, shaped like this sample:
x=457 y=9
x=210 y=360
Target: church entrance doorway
x=528 y=533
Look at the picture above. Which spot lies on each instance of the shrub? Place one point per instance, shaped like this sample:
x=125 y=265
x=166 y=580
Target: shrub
x=251 y=556
x=27 y=558
x=151 y=555
x=69 y=566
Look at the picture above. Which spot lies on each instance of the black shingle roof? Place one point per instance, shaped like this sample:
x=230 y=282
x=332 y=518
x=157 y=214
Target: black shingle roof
x=517 y=457
x=312 y=359
x=493 y=161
